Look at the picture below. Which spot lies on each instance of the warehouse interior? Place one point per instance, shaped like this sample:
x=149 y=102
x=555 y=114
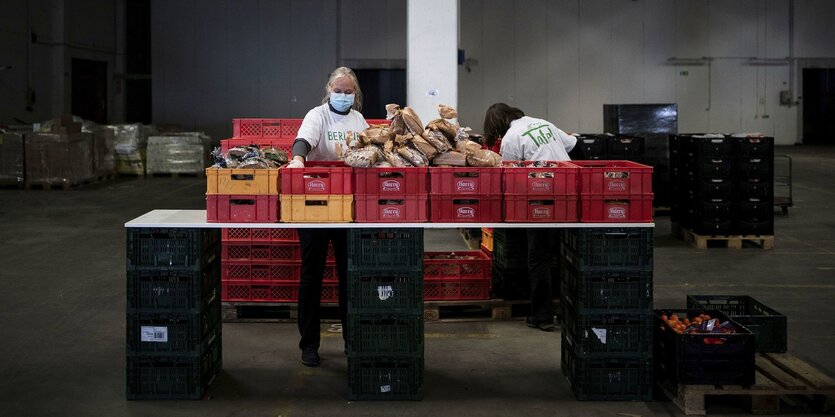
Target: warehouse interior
x=730 y=66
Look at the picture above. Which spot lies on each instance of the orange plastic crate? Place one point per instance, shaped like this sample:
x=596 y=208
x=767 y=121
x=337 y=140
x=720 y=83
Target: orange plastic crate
x=242 y=181
x=317 y=208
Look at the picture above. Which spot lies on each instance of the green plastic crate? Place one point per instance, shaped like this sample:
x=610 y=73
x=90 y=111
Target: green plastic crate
x=385 y=292
x=390 y=335
x=608 y=379
x=768 y=325
x=385 y=378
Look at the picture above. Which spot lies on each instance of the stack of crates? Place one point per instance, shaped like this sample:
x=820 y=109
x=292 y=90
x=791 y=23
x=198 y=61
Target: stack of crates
x=241 y=195
x=391 y=195
x=173 y=324
x=723 y=184
x=541 y=192
x=385 y=314
x=321 y=192
x=466 y=194
x=264 y=265
x=606 y=307
x=456 y=275
x=615 y=191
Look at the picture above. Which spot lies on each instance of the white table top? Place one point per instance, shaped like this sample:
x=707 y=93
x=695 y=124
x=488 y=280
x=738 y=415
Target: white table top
x=197 y=219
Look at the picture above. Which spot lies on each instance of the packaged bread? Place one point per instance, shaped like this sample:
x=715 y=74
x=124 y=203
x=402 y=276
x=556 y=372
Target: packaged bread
x=362 y=157
x=467 y=147
x=393 y=157
x=484 y=158
x=413 y=156
x=448 y=129
x=437 y=139
x=447 y=112
x=427 y=149
x=412 y=121
x=450 y=158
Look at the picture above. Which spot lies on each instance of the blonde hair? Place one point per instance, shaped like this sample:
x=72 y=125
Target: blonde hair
x=344 y=72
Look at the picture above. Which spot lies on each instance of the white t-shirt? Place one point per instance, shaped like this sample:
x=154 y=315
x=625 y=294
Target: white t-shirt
x=323 y=129
x=532 y=139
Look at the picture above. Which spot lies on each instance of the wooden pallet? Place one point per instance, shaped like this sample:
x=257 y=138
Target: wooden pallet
x=729 y=241
x=777 y=375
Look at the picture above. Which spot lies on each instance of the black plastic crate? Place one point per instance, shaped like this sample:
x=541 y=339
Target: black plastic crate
x=385 y=292
x=754 y=227
x=161 y=249
x=511 y=283
x=385 y=378
x=759 y=210
x=760 y=168
x=173 y=290
x=172 y=377
x=768 y=325
x=721 y=147
x=608 y=248
x=607 y=334
x=714 y=167
x=590 y=146
x=714 y=227
x=385 y=335
x=701 y=358
x=714 y=188
x=624 y=146
x=755 y=146
x=608 y=379
x=757 y=190
x=715 y=209
x=172 y=334
x=510 y=248
x=591 y=291
x=385 y=249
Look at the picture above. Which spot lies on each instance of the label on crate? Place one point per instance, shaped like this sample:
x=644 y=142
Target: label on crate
x=600 y=333
x=465 y=213
x=316 y=186
x=466 y=185
x=391 y=213
x=541 y=212
x=617 y=212
x=541 y=186
x=384 y=292
x=390 y=186
x=154 y=334
x=385 y=388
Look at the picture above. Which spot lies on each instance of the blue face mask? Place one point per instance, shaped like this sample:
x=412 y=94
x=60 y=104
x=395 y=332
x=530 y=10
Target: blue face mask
x=341 y=101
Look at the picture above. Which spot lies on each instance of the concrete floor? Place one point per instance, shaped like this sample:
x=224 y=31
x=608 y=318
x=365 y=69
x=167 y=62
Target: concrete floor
x=62 y=334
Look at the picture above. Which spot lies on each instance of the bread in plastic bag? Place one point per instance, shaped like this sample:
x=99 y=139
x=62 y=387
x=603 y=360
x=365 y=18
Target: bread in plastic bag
x=450 y=158
x=447 y=112
x=484 y=158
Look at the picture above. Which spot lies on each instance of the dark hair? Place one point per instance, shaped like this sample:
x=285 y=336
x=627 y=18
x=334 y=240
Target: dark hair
x=497 y=121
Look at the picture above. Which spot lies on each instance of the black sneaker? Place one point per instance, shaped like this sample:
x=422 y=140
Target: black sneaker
x=310 y=356
x=545 y=326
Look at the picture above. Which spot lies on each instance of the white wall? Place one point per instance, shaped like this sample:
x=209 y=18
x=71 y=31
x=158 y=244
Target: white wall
x=564 y=59
x=432 y=72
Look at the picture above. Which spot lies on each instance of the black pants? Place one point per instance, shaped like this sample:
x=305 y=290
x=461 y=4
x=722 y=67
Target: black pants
x=314 y=248
x=541 y=247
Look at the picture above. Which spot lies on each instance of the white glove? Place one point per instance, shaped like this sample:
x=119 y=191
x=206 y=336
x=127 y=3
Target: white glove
x=295 y=164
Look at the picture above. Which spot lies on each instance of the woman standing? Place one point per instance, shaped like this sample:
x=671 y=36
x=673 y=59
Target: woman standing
x=525 y=138
x=322 y=137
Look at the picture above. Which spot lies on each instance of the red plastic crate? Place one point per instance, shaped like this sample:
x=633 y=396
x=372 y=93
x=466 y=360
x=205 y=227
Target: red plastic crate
x=465 y=209
x=245 y=251
x=614 y=177
x=456 y=290
x=317 y=177
x=466 y=180
x=256 y=128
x=271 y=271
x=540 y=208
x=385 y=209
x=560 y=179
x=391 y=181
x=600 y=208
x=246 y=290
x=457 y=265
x=285 y=144
x=241 y=208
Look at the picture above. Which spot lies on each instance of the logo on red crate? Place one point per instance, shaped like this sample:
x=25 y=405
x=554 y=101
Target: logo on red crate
x=618 y=185
x=465 y=212
x=391 y=213
x=466 y=185
x=317 y=186
x=391 y=186
x=617 y=212
x=541 y=212
x=541 y=186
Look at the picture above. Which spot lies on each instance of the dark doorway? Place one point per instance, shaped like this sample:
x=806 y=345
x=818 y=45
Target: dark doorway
x=89 y=89
x=381 y=87
x=137 y=81
x=819 y=106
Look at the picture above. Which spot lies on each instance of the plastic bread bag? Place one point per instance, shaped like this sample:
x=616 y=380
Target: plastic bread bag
x=451 y=158
x=362 y=157
x=484 y=158
x=377 y=135
x=403 y=140
x=462 y=133
x=393 y=157
x=447 y=112
x=278 y=156
x=467 y=147
x=398 y=126
x=412 y=121
x=440 y=125
x=413 y=156
x=382 y=164
x=424 y=147
x=437 y=139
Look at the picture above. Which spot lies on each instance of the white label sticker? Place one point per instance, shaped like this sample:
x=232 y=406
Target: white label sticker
x=154 y=334
x=384 y=292
x=601 y=334
x=385 y=388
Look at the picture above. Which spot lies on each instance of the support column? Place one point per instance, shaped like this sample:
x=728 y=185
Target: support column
x=432 y=56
